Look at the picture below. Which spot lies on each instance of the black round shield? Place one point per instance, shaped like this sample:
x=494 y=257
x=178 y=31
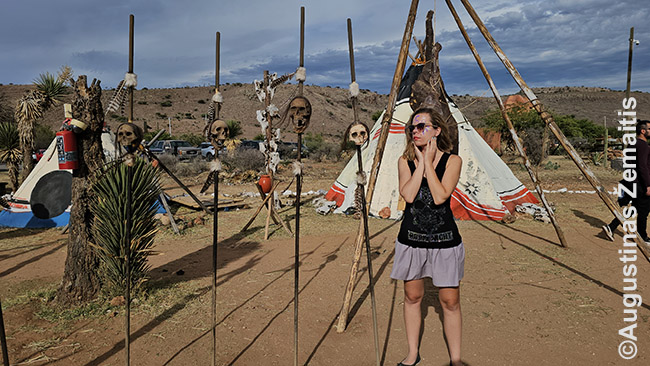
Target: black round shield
x=52 y=194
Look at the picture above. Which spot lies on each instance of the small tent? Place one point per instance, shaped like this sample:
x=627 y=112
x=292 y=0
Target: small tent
x=487 y=189
x=20 y=213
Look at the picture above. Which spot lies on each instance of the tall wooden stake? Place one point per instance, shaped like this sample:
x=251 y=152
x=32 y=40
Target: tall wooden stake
x=127 y=239
x=629 y=64
x=127 y=255
x=374 y=171
x=215 y=217
x=364 y=210
x=605 y=142
x=296 y=249
x=548 y=119
x=3 y=340
x=504 y=113
x=131 y=24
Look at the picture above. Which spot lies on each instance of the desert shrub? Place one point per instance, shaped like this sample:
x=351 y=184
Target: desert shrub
x=193 y=139
x=167 y=103
x=186 y=168
x=234 y=128
x=259 y=137
x=168 y=96
x=243 y=160
x=43 y=136
x=201 y=101
x=161 y=115
x=532 y=141
x=375 y=116
x=142 y=102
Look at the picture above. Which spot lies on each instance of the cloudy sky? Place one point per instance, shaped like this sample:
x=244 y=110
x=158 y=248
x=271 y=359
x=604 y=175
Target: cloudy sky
x=551 y=42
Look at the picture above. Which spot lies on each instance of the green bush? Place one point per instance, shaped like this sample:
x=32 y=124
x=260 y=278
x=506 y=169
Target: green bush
x=259 y=137
x=193 y=139
x=234 y=128
x=243 y=160
x=375 y=116
x=43 y=136
x=166 y=103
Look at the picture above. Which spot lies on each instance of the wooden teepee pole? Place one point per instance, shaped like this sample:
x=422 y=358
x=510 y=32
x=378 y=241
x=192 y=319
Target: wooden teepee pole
x=385 y=127
x=504 y=113
x=548 y=119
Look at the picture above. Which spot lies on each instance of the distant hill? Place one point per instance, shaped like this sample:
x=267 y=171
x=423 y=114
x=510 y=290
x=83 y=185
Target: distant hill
x=331 y=106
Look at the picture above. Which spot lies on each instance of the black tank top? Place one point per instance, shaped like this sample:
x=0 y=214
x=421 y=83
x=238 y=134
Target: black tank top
x=425 y=224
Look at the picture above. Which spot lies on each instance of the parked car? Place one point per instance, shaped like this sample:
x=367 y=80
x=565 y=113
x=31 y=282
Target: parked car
x=180 y=148
x=207 y=151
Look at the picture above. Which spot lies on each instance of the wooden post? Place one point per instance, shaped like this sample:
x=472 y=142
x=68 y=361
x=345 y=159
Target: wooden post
x=215 y=216
x=296 y=249
x=606 y=142
x=504 y=113
x=3 y=340
x=548 y=119
x=267 y=102
x=131 y=24
x=374 y=171
x=127 y=256
x=629 y=64
x=127 y=239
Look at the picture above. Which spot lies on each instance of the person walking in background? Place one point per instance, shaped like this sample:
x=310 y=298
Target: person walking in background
x=642 y=200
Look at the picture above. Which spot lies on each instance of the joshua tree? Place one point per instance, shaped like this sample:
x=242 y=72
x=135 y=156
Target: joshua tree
x=80 y=280
x=10 y=151
x=31 y=106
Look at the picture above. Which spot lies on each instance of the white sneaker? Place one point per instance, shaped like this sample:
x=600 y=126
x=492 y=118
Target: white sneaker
x=608 y=232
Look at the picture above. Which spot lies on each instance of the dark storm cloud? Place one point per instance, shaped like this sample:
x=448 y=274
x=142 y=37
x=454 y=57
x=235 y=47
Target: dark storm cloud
x=582 y=42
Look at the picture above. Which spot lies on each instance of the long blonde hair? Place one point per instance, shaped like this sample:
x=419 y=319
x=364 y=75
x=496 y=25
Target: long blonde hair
x=443 y=140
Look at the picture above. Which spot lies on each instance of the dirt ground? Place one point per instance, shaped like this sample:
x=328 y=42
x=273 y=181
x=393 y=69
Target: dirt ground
x=525 y=300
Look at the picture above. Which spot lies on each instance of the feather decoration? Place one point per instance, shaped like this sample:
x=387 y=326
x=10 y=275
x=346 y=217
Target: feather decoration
x=118 y=100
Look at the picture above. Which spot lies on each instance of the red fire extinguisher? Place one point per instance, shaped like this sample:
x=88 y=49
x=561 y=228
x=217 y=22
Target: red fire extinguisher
x=66 y=145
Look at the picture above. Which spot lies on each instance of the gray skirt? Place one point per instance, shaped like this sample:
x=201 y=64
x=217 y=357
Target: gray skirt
x=445 y=266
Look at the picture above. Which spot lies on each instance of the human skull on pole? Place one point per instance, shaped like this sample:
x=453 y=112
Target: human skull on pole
x=129 y=136
x=218 y=133
x=299 y=113
x=358 y=133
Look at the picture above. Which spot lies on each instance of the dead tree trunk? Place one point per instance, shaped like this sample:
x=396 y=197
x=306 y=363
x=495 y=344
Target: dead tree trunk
x=80 y=281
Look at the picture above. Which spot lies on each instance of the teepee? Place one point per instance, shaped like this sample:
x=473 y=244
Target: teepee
x=20 y=213
x=487 y=189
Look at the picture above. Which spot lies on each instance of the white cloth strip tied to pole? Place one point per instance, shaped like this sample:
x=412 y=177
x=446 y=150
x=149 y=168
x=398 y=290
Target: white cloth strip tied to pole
x=217 y=97
x=130 y=80
x=354 y=89
x=297 y=168
x=301 y=74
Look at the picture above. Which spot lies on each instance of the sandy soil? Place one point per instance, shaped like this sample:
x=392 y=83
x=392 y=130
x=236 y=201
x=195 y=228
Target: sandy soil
x=525 y=300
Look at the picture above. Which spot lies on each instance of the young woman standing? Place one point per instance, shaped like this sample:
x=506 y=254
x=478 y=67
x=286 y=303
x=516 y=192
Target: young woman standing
x=428 y=244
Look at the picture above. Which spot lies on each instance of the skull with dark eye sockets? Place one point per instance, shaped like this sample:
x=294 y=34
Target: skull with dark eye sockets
x=218 y=133
x=299 y=113
x=358 y=133
x=129 y=136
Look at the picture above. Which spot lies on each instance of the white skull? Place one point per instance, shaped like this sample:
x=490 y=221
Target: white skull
x=218 y=133
x=358 y=133
x=299 y=113
x=129 y=136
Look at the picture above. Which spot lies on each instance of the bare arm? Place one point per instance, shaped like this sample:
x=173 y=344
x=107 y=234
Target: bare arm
x=409 y=185
x=442 y=190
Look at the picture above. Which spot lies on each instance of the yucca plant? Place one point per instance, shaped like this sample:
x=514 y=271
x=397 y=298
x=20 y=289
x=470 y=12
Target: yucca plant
x=109 y=208
x=30 y=108
x=10 y=151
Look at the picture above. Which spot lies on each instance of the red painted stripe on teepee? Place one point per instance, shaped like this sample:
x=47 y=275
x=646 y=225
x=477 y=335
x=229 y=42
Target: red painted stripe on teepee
x=466 y=209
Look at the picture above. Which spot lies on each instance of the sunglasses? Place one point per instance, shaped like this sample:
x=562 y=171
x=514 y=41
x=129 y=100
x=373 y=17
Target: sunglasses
x=421 y=127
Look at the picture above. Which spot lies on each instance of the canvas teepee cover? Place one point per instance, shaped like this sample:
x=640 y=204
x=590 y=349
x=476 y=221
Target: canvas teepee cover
x=487 y=189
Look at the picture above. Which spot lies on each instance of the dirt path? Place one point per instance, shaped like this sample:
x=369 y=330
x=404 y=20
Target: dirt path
x=525 y=300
